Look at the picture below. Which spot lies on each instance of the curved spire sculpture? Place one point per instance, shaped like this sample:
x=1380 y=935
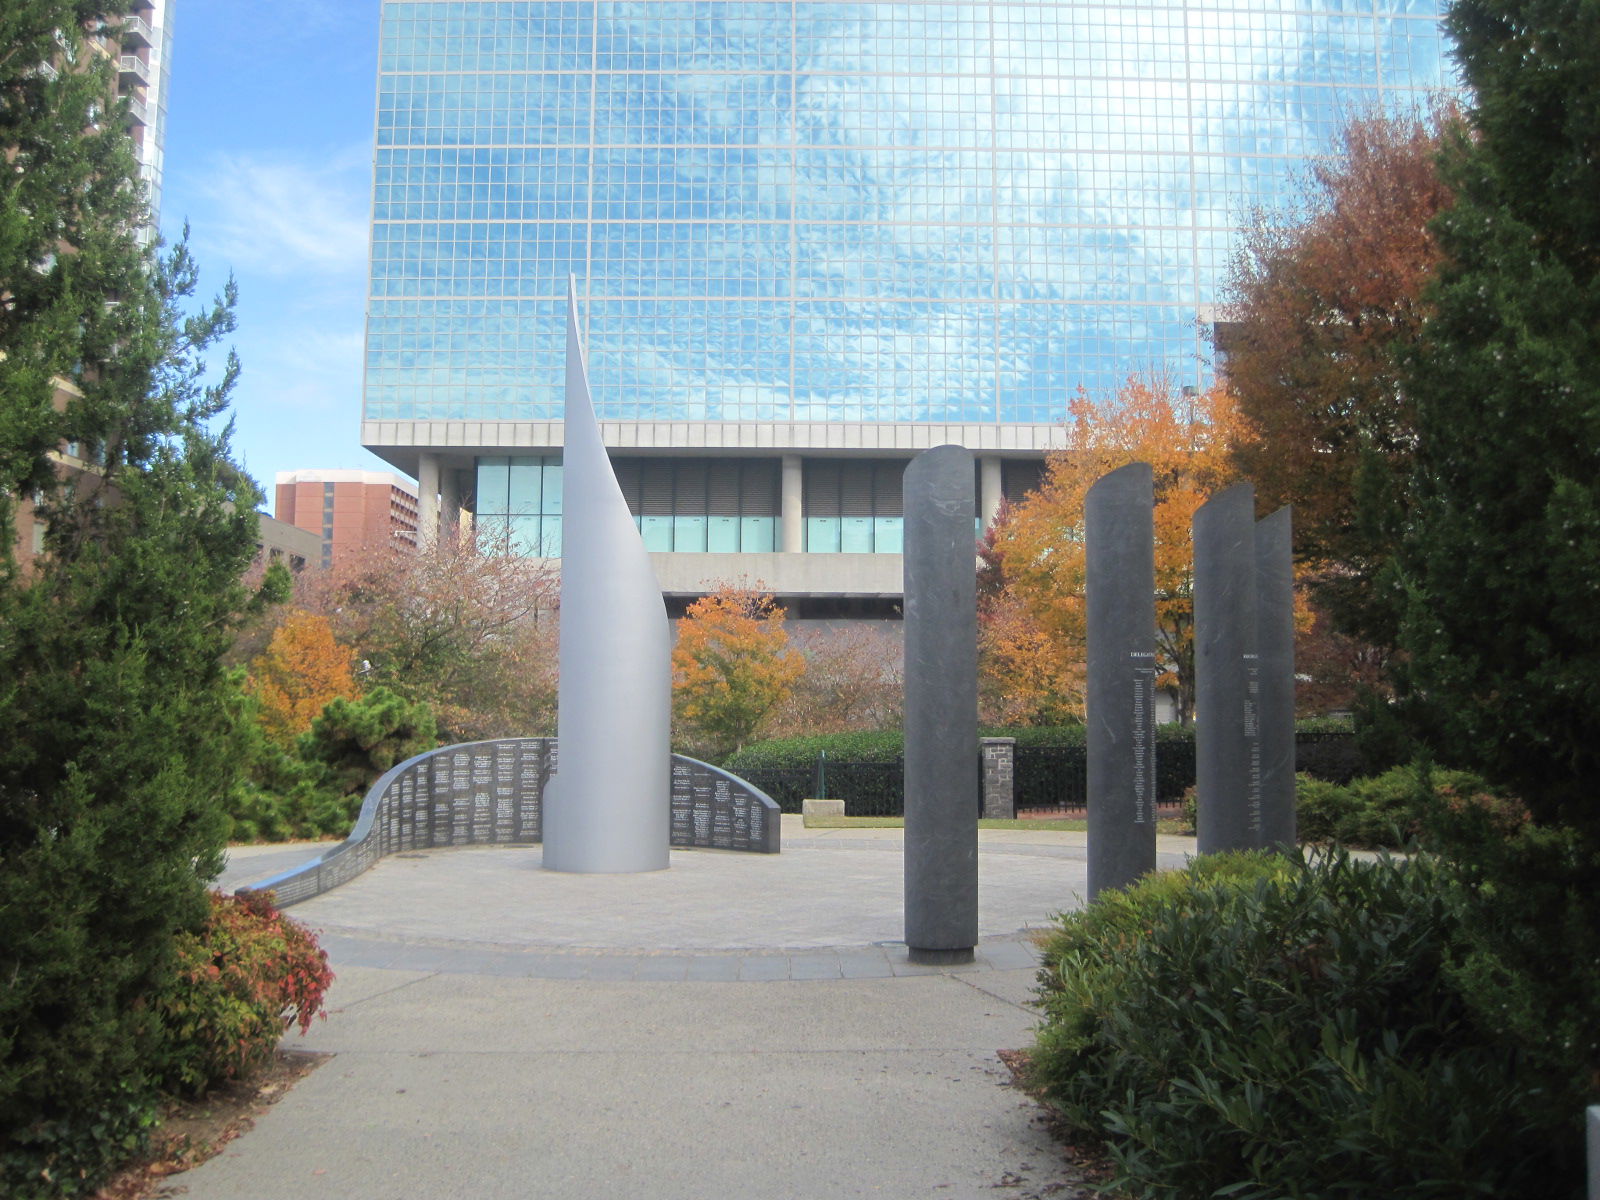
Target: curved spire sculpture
x=608 y=807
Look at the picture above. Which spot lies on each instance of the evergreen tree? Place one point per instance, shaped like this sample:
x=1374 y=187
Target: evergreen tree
x=115 y=758
x=1502 y=556
x=1500 y=563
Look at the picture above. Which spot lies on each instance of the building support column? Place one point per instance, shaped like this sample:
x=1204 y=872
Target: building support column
x=427 y=500
x=792 y=507
x=990 y=488
x=450 y=503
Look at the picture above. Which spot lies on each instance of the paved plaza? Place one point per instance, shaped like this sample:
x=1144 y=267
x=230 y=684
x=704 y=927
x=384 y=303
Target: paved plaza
x=739 y=1025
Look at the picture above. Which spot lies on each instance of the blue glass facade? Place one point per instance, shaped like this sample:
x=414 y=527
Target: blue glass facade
x=808 y=210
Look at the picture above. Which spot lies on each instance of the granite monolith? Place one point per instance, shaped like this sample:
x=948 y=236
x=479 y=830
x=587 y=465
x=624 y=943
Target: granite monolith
x=1275 y=676
x=1119 y=532
x=1227 y=735
x=941 y=708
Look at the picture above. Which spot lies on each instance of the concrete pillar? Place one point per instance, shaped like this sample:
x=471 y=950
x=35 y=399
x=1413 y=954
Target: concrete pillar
x=450 y=502
x=1121 y=614
x=941 y=709
x=1275 y=672
x=999 y=775
x=427 y=499
x=990 y=488
x=1227 y=725
x=792 y=508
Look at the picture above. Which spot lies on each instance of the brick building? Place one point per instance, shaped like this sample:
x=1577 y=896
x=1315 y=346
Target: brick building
x=349 y=510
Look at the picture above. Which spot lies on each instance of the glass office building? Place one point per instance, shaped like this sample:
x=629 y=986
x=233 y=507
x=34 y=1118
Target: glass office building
x=812 y=238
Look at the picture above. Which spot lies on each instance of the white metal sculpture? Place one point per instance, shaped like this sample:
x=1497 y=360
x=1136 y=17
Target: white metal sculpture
x=608 y=807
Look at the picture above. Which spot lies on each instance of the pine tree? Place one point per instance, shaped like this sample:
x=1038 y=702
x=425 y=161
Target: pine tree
x=115 y=707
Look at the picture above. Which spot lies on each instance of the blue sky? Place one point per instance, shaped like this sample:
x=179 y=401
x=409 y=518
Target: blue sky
x=269 y=159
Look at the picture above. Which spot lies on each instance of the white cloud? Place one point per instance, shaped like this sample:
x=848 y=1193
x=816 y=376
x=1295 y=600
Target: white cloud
x=284 y=217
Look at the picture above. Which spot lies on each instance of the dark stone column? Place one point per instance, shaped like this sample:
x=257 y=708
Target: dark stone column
x=1227 y=735
x=1120 y=559
x=1275 y=664
x=999 y=774
x=941 y=711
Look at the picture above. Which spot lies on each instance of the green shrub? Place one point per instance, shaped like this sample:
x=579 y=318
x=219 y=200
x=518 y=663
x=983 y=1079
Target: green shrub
x=1386 y=811
x=1288 y=1029
x=1526 y=952
x=71 y=1154
x=867 y=745
x=245 y=977
x=1320 y=807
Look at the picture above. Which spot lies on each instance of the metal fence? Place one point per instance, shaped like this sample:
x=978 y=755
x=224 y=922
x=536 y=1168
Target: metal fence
x=868 y=789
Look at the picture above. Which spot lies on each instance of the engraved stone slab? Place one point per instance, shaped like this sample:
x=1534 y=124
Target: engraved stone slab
x=1275 y=677
x=493 y=792
x=1119 y=530
x=1227 y=686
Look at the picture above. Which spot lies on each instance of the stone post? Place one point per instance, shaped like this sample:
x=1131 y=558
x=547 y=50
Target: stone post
x=1227 y=735
x=1275 y=663
x=941 y=709
x=1121 y=614
x=999 y=772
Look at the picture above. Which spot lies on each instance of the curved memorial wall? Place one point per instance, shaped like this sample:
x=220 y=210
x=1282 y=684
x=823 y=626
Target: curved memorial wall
x=493 y=792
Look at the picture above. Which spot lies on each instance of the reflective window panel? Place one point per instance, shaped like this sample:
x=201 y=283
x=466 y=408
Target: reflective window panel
x=828 y=211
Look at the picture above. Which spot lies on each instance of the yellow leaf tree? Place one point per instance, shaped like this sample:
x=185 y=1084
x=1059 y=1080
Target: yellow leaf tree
x=732 y=665
x=1035 y=624
x=301 y=670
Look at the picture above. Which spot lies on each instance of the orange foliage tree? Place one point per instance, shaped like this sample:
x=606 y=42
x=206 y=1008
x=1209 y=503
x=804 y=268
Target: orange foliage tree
x=301 y=670
x=1321 y=306
x=732 y=665
x=1033 y=627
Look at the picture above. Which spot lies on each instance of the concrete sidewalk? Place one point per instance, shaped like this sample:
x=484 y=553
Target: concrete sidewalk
x=735 y=1026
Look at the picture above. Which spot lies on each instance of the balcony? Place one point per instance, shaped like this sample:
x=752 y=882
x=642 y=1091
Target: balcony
x=136 y=32
x=132 y=71
x=138 y=111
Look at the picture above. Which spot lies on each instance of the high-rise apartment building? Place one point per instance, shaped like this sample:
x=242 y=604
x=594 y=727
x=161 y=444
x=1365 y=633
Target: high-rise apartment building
x=353 y=512
x=142 y=48
x=813 y=238
x=139 y=45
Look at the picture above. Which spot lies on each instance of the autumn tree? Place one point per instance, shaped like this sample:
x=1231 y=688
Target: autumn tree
x=1187 y=442
x=854 y=678
x=301 y=670
x=732 y=665
x=1320 y=305
x=1025 y=677
x=471 y=634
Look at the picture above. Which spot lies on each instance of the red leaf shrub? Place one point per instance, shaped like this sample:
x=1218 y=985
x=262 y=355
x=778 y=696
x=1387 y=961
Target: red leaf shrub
x=243 y=979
